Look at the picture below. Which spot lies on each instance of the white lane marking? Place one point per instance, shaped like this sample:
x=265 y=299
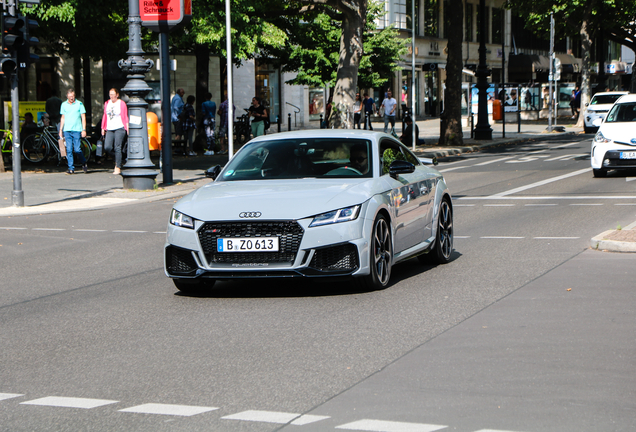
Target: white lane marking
x=69 y=402
x=308 y=418
x=461 y=237
x=630 y=178
x=499 y=205
x=540 y=205
x=567 y=145
x=4 y=396
x=160 y=232
x=168 y=409
x=494 y=161
x=587 y=204
x=625 y=204
x=12 y=228
x=453 y=169
x=48 y=229
x=556 y=238
x=566 y=157
x=542 y=182
x=389 y=426
x=501 y=237
x=493 y=430
x=262 y=416
x=128 y=231
x=89 y=230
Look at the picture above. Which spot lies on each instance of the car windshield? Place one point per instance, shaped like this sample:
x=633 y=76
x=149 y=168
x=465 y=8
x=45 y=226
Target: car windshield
x=301 y=158
x=622 y=112
x=604 y=99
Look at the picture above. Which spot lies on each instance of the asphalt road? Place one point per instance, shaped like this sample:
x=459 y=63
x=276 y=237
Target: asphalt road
x=94 y=337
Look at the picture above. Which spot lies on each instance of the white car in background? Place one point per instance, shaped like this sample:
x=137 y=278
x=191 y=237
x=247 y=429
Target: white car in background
x=598 y=108
x=614 y=146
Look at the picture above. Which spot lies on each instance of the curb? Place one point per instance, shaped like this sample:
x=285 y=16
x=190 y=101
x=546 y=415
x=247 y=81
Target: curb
x=599 y=244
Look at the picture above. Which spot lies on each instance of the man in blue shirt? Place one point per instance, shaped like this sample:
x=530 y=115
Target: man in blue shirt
x=369 y=109
x=176 y=108
x=209 y=123
x=73 y=129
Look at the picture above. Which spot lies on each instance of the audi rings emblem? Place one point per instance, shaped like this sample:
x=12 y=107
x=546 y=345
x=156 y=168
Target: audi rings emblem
x=633 y=141
x=250 y=215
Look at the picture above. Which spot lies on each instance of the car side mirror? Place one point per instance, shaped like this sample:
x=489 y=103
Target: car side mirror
x=400 y=167
x=597 y=122
x=587 y=104
x=213 y=172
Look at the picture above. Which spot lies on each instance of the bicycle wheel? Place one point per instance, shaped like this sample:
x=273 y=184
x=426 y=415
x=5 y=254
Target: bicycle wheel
x=34 y=148
x=86 y=148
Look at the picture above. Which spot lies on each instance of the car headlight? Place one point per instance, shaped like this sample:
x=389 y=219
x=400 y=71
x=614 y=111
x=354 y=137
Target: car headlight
x=599 y=138
x=181 y=220
x=336 y=216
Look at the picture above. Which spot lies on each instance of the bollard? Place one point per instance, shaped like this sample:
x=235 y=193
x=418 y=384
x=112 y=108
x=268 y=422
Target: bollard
x=278 y=122
x=322 y=126
x=289 y=121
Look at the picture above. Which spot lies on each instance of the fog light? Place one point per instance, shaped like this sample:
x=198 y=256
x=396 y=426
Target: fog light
x=606 y=162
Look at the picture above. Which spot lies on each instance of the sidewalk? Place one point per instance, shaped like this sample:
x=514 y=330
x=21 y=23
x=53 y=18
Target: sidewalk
x=47 y=189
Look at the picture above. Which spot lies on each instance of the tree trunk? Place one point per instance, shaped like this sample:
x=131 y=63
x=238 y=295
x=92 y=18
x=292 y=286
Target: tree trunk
x=351 y=50
x=451 y=119
x=586 y=47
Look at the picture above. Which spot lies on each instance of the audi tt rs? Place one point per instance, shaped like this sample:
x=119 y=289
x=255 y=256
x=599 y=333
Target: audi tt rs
x=311 y=204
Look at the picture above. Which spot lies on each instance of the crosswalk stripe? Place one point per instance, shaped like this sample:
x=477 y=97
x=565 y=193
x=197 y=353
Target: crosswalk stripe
x=168 y=409
x=389 y=426
x=4 y=396
x=69 y=402
x=274 y=417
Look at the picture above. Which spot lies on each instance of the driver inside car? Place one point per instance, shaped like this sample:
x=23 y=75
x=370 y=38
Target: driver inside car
x=358 y=158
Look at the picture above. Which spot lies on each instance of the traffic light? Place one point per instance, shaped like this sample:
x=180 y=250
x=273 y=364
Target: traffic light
x=12 y=40
x=429 y=67
x=25 y=57
x=557 y=69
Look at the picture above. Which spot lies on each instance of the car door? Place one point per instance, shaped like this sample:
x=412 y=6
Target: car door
x=409 y=195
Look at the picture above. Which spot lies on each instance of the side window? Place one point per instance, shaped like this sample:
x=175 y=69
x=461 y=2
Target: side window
x=410 y=157
x=389 y=152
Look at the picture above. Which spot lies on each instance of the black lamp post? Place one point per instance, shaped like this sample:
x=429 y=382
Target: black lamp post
x=483 y=131
x=139 y=171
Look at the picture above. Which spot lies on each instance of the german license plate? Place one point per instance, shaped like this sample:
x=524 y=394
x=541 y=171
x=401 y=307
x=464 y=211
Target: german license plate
x=250 y=244
x=628 y=155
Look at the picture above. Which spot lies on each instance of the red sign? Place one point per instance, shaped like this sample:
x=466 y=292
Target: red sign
x=164 y=15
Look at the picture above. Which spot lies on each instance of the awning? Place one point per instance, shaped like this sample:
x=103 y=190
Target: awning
x=569 y=63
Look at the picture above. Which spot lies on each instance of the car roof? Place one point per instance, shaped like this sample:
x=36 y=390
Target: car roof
x=325 y=133
x=611 y=93
x=629 y=97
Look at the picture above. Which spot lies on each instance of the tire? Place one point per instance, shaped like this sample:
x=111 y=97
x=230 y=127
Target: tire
x=380 y=256
x=443 y=247
x=34 y=148
x=599 y=173
x=194 y=286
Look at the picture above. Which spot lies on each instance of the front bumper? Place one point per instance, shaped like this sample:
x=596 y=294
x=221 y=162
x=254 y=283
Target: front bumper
x=332 y=250
x=606 y=156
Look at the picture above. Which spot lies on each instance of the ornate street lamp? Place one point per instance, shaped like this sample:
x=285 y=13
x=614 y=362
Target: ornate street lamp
x=483 y=131
x=139 y=171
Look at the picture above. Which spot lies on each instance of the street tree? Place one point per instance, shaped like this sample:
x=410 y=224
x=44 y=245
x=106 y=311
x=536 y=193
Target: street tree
x=450 y=125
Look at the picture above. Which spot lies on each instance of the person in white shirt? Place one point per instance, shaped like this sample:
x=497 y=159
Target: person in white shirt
x=115 y=126
x=388 y=105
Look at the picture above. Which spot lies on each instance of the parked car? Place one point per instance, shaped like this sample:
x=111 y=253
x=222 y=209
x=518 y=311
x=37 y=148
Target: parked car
x=318 y=203
x=614 y=146
x=598 y=107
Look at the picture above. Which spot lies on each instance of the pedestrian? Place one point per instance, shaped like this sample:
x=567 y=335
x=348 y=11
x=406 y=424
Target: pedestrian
x=369 y=109
x=29 y=127
x=73 y=129
x=529 y=100
x=223 y=127
x=325 y=120
x=209 y=123
x=176 y=110
x=387 y=108
x=188 y=124
x=573 y=104
x=258 y=114
x=52 y=108
x=357 y=111
x=115 y=127
x=407 y=135
x=577 y=97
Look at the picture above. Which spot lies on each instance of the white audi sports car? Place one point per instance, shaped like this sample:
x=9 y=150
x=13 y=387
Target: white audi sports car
x=314 y=204
x=614 y=146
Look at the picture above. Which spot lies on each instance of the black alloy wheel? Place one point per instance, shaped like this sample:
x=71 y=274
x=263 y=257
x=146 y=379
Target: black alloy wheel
x=381 y=255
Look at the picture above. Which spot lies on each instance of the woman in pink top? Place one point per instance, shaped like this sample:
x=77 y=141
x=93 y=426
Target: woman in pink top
x=115 y=126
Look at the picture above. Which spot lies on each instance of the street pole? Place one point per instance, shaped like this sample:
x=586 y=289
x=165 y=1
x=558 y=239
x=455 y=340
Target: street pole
x=139 y=172
x=17 y=194
x=551 y=74
x=166 y=115
x=483 y=131
x=413 y=75
x=230 y=98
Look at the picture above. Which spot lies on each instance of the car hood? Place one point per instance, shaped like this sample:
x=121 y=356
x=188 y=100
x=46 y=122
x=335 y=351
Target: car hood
x=600 y=107
x=622 y=132
x=275 y=199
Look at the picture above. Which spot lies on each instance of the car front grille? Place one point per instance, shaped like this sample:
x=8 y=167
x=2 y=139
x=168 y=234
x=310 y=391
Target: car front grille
x=289 y=234
x=180 y=261
x=340 y=258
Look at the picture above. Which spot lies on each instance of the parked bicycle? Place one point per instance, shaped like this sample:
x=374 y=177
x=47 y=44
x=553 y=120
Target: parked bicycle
x=6 y=144
x=242 y=130
x=42 y=145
